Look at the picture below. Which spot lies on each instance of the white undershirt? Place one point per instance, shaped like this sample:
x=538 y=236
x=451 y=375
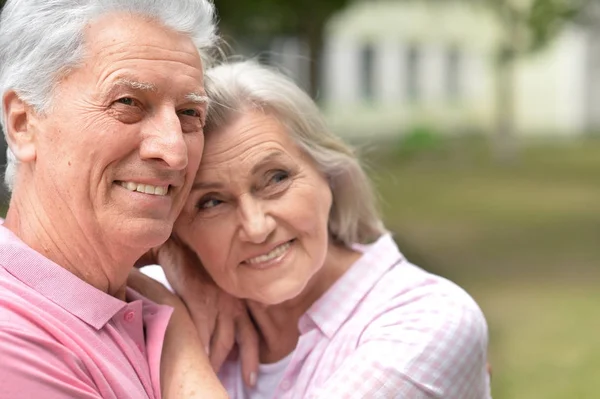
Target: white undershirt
x=269 y=377
x=158 y=274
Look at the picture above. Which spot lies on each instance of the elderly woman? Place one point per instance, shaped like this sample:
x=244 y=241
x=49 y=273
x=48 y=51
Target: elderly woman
x=282 y=216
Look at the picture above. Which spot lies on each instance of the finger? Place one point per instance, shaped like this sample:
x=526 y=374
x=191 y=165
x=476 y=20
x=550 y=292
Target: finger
x=183 y=269
x=205 y=322
x=204 y=310
x=267 y=326
x=222 y=341
x=180 y=266
x=247 y=340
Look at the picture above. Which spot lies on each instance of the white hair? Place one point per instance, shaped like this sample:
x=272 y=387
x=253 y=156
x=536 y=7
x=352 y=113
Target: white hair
x=238 y=87
x=40 y=40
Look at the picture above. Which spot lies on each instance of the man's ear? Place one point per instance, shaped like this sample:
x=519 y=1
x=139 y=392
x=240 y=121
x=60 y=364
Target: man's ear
x=20 y=132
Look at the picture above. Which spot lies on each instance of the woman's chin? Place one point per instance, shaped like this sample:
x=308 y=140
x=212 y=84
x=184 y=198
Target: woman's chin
x=277 y=295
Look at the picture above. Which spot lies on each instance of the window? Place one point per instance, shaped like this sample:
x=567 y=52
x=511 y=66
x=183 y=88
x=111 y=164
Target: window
x=413 y=73
x=453 y=75
x=367 y=59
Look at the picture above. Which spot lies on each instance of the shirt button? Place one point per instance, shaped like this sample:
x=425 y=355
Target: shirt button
x=129 y=316
x=286 y=385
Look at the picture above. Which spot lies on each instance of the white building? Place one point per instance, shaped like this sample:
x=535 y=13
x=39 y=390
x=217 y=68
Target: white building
x=389 y=66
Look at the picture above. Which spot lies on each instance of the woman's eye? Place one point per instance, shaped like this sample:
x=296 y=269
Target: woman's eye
x=208 y=203
x=279 y=176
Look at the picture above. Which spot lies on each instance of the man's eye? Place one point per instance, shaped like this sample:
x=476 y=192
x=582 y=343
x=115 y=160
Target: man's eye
x=126 y=101
x=191 y=112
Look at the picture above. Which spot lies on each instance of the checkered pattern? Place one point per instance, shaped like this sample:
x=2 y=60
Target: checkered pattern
x=386 y=329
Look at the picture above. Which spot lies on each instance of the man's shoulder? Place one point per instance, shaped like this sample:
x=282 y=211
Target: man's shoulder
x=21 y=307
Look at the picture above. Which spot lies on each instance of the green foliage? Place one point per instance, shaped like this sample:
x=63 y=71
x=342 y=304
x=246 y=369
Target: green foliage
x=546 y=18
x=274 y=17
x=530 y=25
x=419 y=140
x=262 y=20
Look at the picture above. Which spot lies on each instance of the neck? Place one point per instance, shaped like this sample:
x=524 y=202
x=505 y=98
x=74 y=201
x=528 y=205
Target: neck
x=63 y=240
x=278 y=324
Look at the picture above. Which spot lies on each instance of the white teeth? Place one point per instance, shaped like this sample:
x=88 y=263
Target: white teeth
x=280 y=250
x=145 y=188
x=161 y=190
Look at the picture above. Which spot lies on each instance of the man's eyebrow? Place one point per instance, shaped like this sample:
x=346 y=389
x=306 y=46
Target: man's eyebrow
x=136 y=85
x=197 y=98
x=129 y=83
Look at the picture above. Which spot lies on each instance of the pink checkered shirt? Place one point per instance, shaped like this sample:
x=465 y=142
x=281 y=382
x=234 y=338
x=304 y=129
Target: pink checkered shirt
x=386 y=329
x=62 y=338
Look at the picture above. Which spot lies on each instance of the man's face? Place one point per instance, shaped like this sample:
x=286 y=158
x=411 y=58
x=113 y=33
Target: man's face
x=118 y=149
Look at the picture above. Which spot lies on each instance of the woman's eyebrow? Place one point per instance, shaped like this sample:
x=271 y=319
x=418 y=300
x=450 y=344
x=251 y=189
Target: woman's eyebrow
x=207 y=186
x=271 y=156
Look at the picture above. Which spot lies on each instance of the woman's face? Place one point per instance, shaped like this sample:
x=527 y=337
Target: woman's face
x=258 y=212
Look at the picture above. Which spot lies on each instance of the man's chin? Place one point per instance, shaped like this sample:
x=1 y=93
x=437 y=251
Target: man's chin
x=147 y=235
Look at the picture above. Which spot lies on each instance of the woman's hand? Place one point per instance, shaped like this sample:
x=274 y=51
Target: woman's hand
x=185 y=371
x=222 y=321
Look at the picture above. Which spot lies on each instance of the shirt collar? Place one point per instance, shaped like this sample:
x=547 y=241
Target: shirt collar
x=346 y=294
x=54 y=282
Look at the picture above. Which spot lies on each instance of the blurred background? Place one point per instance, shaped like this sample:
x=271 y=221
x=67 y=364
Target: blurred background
x=479 y=122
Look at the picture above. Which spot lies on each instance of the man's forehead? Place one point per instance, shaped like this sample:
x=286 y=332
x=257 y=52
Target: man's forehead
x=130 y=38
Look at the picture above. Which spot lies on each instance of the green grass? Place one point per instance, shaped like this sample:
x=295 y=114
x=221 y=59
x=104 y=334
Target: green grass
x=543 y=339
x=522 y=238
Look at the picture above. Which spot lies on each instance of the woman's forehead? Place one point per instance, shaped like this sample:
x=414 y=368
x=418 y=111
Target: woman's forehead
x=250 y=137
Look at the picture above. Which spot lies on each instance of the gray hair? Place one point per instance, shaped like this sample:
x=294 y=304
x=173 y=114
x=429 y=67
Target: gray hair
x=243 y=86
x=40 y=40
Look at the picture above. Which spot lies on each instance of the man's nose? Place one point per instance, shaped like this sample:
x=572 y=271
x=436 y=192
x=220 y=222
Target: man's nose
x=164 y=140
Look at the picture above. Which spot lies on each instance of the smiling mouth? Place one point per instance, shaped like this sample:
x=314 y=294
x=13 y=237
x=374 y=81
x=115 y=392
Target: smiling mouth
x=145 y=188
x=273 y=254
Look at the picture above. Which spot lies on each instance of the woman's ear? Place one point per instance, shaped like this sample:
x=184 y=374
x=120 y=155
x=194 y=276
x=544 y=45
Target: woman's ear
x=20 y=132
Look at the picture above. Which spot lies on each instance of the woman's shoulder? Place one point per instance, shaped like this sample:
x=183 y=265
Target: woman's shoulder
x=432 y=331
x=388 y=280
x=407 y=294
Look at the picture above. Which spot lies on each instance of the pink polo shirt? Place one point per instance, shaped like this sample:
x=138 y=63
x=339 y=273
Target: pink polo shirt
x=62 y=338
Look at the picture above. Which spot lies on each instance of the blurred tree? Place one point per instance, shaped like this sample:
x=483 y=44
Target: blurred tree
x=526 y=26
x=265 y=19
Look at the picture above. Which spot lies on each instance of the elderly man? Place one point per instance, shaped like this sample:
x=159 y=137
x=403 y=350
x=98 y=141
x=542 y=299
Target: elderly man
x=103 y=109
